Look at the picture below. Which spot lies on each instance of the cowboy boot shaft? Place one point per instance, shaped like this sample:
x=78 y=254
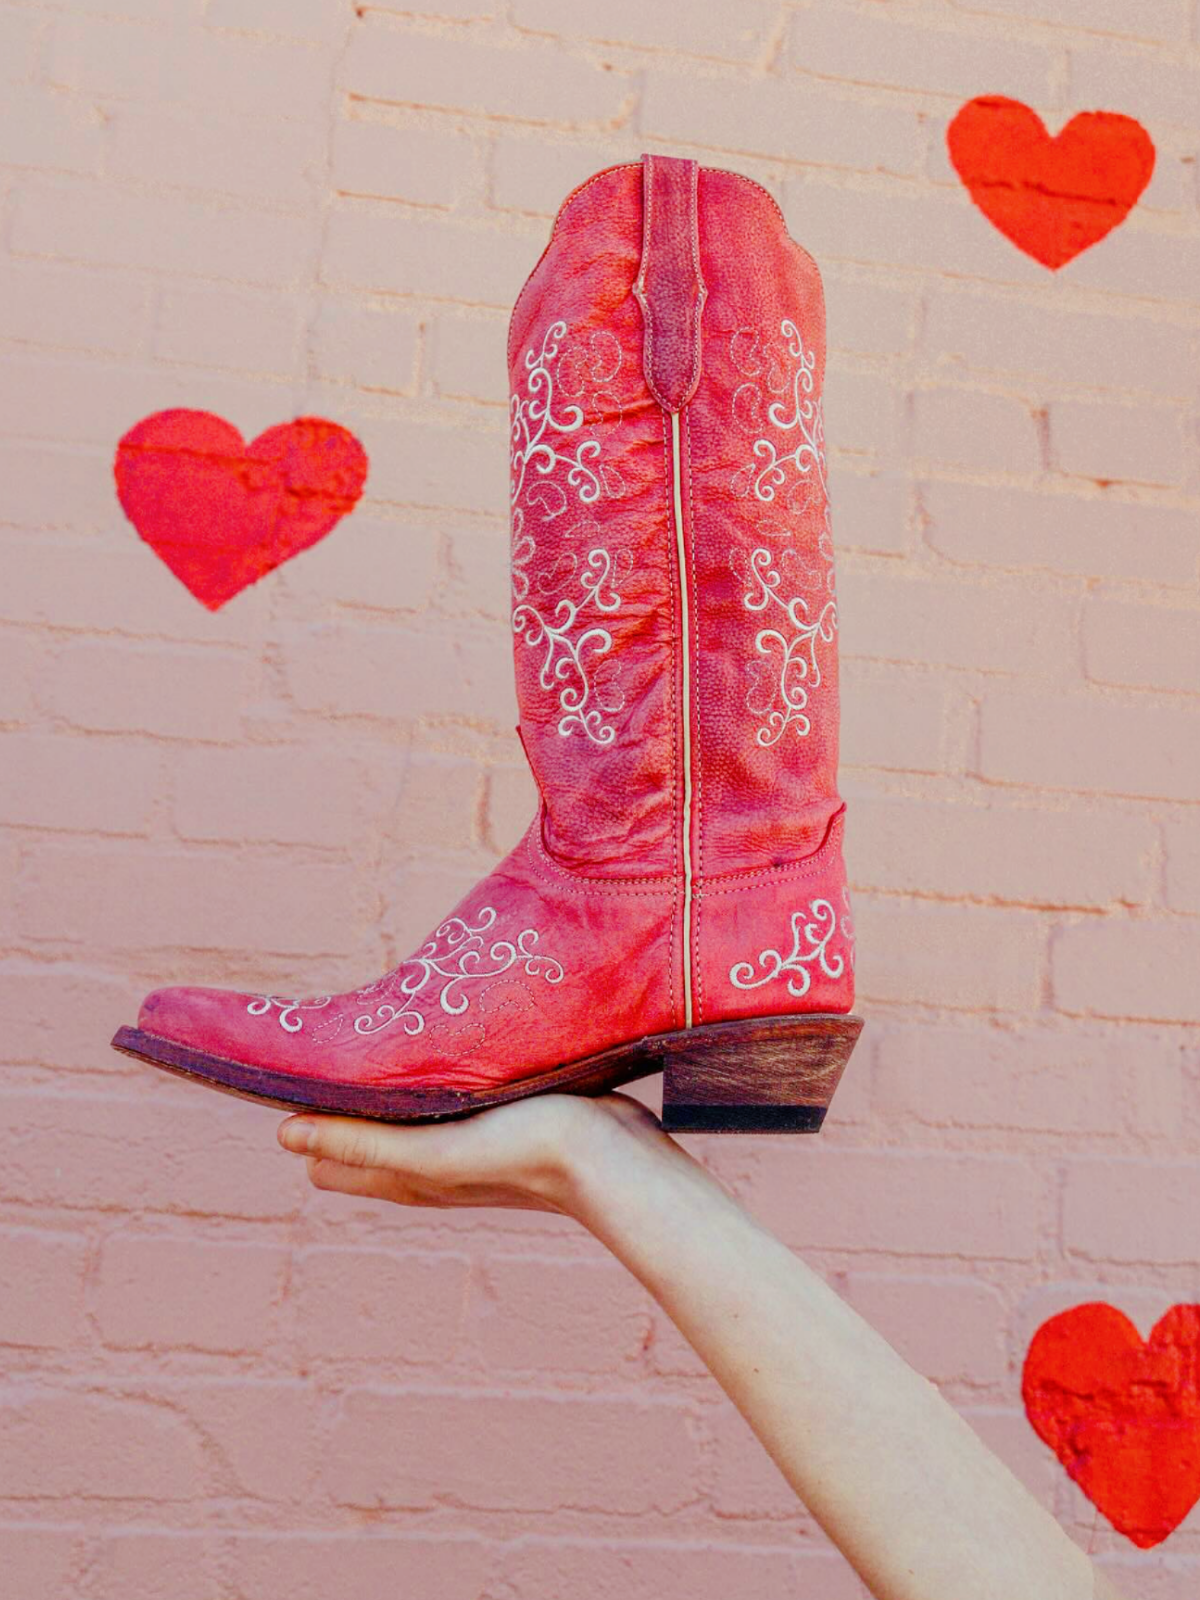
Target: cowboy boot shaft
x=673 y=589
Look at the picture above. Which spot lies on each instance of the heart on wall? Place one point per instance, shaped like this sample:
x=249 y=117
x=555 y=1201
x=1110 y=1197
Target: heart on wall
x=1121 y=1413
x=1052 y=197
x=223 y=513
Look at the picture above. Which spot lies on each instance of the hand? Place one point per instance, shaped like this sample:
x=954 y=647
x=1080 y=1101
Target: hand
x=525 y=1154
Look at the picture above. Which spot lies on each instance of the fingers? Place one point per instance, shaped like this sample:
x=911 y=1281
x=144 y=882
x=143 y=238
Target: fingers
x=349 y=1141
x=367 y=1182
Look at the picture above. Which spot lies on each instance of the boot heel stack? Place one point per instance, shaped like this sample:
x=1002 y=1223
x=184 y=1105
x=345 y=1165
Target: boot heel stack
x=763 y=1075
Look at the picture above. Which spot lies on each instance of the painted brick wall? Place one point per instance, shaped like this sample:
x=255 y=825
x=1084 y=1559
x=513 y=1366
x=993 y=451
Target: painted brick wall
x=220 y=1386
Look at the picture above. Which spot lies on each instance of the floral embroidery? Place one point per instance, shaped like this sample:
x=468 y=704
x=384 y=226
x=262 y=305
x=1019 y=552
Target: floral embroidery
x=781 y=683
x=287 y=1009
x=456 y=955
x=540 y=425
x=811 y=932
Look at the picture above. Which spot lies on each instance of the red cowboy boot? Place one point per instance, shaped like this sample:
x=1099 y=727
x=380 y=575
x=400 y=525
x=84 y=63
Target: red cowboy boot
x=678 y=903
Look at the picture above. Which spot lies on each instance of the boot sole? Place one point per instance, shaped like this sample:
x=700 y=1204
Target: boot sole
x=761 y=1075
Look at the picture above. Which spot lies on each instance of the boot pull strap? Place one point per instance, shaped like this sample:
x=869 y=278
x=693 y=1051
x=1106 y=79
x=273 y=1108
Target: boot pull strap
x=670 y=287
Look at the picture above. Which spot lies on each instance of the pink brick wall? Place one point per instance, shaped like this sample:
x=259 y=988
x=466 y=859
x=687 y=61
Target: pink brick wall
x=219 y=1385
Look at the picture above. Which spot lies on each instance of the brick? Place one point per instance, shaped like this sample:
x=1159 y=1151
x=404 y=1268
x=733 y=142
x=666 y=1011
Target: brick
x=1002 y=527
x=865 y=47
x=298 y=19
x=969 y=428
x=892 y=719
x=423 y=166
x=1035 y=856
x=1080 y=741
x=9 y=862
x=44 y=1272
x=868 y=318
x=705 y=112
x=997 y=625
x=1182 y=845
x=524 y=82
x=1007 y=1434
x=264 y=1435
x=88 y=785
x=948 y=1329
x=105 y=584
x=278 y=794
x=636 y=1570
x=1131 y=1211
x=121 y=1449
x=530 y=175
x=862 y=411
x=902 y=230
x=870 y=510
x=421 y=895
x=726 y=35
x=69 y=306
x=1028 y=1079
x=1143 y=969
x=1150 y=646
x=439 y=800
x=121 y=59
x=509 y=804
x=349 y=669
x=183 y=146
x=55 y=1011
x=479 y=579
x=232 y=328
x=141 y=1566
x=371 y=348
x=1150 y=87
x=38 y=1561
x=195 y=900
x=970 y=957
x=547 y=1316
x=1115 y=444
x=382 y=249
x=977 y=1206
x=450 y=10
x=170 y=692
x=104 y=225
x=1151 y=19
x=1142 y=262
x=527 y=1452
x=48 y=487
x=179 y=1293
x=379 y=1305
x=252 y=77
x=374 y=565
x=974 y=332
x=21 y=33
x=41 y=129
x=467 y=358
x=176 y=1150
x=22 y=659
x=310 y=1566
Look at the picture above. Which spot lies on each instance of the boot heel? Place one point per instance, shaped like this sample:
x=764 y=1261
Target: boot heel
x=762 y=1075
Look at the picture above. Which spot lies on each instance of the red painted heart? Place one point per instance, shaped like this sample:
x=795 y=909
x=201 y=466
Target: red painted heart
x=1053 y=197
x=222 y=513
x=1121 y=1415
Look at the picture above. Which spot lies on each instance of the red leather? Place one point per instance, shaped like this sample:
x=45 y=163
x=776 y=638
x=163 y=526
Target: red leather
x=574 y=941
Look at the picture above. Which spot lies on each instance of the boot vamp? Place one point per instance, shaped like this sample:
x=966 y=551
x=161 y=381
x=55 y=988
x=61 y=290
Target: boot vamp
x=532 y=969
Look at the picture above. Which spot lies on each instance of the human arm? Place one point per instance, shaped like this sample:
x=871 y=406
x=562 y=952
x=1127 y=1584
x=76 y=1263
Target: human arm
x=900 y=1483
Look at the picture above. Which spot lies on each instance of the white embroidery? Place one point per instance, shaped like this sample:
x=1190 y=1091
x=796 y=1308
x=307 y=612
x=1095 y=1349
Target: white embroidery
x=287 y=1020
x=781 y=684
x=539 y=425
x=811 y=932
x=455 y=954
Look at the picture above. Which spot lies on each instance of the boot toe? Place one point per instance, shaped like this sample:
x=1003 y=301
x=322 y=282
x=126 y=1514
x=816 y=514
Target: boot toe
x=190 y=1016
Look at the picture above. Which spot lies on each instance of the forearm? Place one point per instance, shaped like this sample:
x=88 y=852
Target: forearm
x=889 y=1469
